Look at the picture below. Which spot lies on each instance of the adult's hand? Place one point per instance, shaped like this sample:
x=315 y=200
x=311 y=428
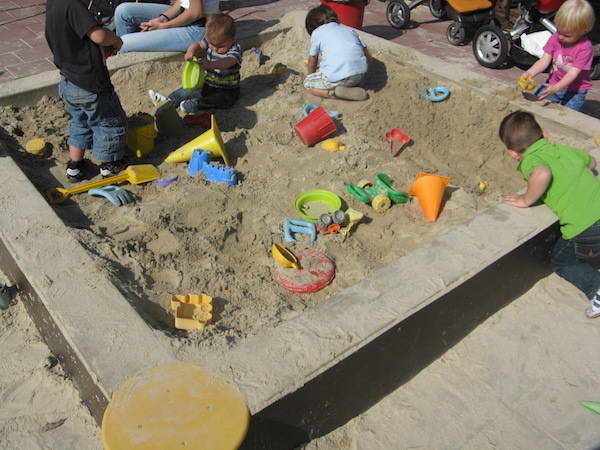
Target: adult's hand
x=152 y=24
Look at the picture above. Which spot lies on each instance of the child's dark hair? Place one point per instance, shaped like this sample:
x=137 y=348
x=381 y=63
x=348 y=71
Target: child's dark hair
x=519 y=130
x=219 y=28
x=320 y=16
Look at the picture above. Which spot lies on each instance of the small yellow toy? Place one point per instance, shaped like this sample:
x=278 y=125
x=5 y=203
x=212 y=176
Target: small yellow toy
x=35 y=146
x=278 y=69
x=527 y=84
x=354 y=217
x=192 y=311
x=332 y=145
x=284 y=257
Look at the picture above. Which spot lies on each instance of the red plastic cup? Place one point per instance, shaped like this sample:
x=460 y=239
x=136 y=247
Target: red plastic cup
x=315 y=127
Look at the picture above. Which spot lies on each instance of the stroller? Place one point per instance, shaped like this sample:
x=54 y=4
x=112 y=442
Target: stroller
x=466 y=15
x=494 y=46
x=397 y=12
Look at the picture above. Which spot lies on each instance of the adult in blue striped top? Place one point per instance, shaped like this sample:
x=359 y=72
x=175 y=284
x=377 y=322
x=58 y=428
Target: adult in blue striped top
x=221 y=56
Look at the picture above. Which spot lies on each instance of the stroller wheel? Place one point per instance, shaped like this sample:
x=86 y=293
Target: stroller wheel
x=397 y=13
x=456 y=34
x=490 y=46
x=437 y=8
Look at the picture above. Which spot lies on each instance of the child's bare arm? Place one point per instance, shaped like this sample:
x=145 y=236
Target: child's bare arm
x=221 y=64
x=539 y=66
x=105 y=38
x=538 y=182
x=311 y=65
x=593 y=163
x=562 y=84
x=193 y=50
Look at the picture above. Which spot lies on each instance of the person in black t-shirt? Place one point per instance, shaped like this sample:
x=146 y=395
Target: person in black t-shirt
x=79 y=45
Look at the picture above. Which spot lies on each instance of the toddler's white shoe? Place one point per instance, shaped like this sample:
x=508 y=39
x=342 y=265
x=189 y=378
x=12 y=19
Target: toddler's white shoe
x=156 y=97
x=187 y=107
x=593 y=310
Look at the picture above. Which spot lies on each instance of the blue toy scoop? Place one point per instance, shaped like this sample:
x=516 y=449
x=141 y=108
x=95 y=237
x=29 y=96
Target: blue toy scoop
x=117 y=196
x=434 y=94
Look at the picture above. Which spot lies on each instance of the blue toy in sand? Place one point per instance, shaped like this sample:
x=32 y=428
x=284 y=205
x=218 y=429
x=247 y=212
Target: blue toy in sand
x=291 y=226
x=197 y=161
x=220 y=174
x=117 y=196
x=200 y=161
x=308 y=108
x=435 y=94
x=261 y=56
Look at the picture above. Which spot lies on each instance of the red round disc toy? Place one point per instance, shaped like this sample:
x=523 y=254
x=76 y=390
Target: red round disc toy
x=316 y=271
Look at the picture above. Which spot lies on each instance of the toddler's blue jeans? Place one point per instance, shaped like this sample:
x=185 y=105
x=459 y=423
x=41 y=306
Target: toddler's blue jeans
x=574 y=260
x=207 y=98
x=97 y=121
x=570 y=99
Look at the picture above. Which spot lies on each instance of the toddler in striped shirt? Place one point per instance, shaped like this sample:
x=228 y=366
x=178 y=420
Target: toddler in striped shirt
x=221 y=56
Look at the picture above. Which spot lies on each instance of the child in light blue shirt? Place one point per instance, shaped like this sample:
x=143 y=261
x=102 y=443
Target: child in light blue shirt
x=344 y=57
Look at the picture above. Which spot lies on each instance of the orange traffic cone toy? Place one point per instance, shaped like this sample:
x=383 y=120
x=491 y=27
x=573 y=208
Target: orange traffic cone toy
x=429 y=189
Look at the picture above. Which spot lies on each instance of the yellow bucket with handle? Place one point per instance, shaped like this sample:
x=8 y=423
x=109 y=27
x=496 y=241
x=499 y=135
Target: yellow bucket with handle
x=141 y=134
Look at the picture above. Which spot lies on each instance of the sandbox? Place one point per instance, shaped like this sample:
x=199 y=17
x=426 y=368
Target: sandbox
x=92 y=270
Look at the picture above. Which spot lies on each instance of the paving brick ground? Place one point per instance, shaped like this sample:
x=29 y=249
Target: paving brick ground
x=24 y=51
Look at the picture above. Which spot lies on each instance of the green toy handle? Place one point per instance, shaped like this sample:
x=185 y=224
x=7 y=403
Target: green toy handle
x=385 y=181
x=358 y=193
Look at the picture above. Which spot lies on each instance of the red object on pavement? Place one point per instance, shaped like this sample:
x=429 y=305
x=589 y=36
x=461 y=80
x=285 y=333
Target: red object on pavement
x=316 y=271
x=351 y=13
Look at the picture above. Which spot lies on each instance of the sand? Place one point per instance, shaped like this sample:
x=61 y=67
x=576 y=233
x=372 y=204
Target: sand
x=39 y=405
x=199 y=237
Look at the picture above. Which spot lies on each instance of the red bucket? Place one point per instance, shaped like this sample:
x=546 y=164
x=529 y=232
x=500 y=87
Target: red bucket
x=350 y=13
x=315 y=127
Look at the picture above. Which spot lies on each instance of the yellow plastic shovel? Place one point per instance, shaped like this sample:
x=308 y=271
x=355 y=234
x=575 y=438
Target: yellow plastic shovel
x=137 y=174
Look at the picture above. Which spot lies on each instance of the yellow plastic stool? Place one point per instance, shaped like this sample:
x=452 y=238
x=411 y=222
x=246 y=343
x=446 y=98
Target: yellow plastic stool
x=175 y=406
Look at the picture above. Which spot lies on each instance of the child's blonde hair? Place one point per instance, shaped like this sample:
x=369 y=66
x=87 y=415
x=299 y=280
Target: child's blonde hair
x=219 y=28
x=519 y=130
x=575 y=16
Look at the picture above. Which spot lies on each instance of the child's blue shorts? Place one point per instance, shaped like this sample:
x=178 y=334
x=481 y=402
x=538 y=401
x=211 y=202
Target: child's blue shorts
x=98 y=121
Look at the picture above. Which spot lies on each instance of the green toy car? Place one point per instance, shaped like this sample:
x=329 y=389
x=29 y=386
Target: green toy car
x=380 y=195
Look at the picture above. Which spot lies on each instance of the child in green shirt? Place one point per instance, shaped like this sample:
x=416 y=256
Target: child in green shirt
x=562 y=177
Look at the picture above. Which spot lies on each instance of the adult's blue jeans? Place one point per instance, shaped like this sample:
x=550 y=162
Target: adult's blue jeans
x=129 y=16
x=97 y=121
x=575 y=260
